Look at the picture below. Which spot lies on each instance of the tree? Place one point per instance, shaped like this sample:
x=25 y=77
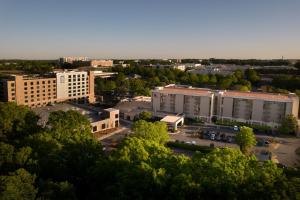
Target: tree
x=69 y=125
x=297 y=65
x=145 y=115
x=16 y=121
x=252 y=75
x=18 y=185
x=289 y=125
x=245 y=139
x=157 y=131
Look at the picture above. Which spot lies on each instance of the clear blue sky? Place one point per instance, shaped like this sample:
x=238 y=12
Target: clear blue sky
x=48 y=29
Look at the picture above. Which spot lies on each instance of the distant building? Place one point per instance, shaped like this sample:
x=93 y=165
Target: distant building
x=249 y=107
x=72 y=59
x=101 y=63
x=36 y=91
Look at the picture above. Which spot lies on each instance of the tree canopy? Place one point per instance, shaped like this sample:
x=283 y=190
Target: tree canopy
x=245 y=138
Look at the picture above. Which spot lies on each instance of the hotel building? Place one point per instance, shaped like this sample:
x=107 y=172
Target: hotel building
x=250 y=107
x=36 y=91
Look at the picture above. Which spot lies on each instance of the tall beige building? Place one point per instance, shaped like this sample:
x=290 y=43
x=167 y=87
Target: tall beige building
x=251 y=107
x=35 y=91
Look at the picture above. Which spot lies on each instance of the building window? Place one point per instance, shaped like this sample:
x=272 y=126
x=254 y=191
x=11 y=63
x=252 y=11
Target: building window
x=103 y=126
x=12 y=84
x=25 y=83
x=43 y=82
x=116 y=115
x=94 y=128
x=37 y=82
x=49 y=82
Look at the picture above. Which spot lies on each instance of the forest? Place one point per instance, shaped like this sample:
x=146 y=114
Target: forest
x=64 y=161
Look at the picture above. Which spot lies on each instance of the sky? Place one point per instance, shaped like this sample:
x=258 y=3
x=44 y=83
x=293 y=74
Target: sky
x=128 y=29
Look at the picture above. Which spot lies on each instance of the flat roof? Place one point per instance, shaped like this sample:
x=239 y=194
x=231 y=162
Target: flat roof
x=261 y=95
x=171 y=119
x=44 y=112
x=189 y=91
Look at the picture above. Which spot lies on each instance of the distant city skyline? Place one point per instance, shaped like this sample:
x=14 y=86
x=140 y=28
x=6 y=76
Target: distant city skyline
x=132 y=29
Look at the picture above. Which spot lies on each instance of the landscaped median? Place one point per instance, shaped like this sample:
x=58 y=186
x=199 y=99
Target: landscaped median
x=190 y=147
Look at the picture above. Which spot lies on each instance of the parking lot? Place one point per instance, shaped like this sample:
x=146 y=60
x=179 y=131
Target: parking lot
x=281 y=149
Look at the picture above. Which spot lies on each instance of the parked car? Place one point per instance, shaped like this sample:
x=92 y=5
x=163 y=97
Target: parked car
x=218 y=137
x=229 y=139
x=212 y=136
x=236 y=128
x=206 y=136
x=223 y=137
x=194 y=142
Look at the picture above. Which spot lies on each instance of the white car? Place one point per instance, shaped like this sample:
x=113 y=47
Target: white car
x=235 y=128
x=193 y=142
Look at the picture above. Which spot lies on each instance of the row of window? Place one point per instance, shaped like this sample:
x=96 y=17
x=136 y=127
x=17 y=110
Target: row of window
x=38 y=82
x=33 y=100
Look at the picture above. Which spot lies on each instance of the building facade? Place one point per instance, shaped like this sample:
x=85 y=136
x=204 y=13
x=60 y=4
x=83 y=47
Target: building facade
x=101 y=63
x=249 y=107
x=36 y=91
x=72 y=59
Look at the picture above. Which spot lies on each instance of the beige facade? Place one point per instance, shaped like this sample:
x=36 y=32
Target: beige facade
x=109 y=121
x=38 y=91
x=193 y=103
x=101 y=63
x=251 y=107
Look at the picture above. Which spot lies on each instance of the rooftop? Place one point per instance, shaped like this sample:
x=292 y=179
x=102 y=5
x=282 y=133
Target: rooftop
x=92 y=114
x=262 y=95
x=185 y=90
x=171 y=119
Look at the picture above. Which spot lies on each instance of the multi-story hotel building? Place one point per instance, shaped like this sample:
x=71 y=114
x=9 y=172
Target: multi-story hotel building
x=35 y=91
x=251 y=107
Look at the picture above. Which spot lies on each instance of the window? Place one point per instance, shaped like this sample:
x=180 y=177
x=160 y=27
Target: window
x=25 y=83
x=49 y=82
x=25 y=88
x=54 y=81
x=116 y=115
x=37 y=82
x=12 y=84
x=94 y=128
x=43 y=82
x=26 y=101
x=103 y=126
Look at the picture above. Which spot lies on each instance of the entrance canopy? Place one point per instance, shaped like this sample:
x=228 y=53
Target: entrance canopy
x=173 y=121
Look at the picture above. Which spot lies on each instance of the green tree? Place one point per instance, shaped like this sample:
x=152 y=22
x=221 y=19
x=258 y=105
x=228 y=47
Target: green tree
x=145 y=115
x=252 y=75
x=18 y=185
x=56 y=190
x=297 y=65
x=69 y=125
x=289 y=125
x=157 y=131
x=16 y=121
x=245 y=138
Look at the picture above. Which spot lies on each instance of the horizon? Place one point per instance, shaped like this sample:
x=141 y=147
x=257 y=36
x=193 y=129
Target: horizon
x=133 y=29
